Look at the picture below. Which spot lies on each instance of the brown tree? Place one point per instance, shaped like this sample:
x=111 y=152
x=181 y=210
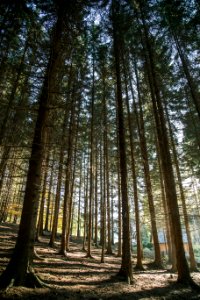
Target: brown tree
x=19 y=270
x=126 y=265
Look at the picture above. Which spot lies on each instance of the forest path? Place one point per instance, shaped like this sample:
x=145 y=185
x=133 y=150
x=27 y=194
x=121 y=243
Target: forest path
x=77 y=277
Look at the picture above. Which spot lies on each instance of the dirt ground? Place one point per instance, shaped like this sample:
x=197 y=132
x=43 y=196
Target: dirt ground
x=77 y=277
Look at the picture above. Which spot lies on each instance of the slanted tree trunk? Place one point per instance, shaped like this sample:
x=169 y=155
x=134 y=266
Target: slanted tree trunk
x=19 y=269
x=168 y=175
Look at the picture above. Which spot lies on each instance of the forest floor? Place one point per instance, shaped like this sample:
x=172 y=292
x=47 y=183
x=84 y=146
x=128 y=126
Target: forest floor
x=78 y=277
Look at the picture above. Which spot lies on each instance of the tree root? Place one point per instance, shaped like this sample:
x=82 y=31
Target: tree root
x=195 y=269
x=155 y=265
x=109 y=252
x=189 y=282
x=31 y=280
x=89 y=256
x=139 y=268
x=37 y=256
x=63 y=252
x=121 y=276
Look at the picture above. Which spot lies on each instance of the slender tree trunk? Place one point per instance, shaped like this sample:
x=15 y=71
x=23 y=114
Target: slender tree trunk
x=40 y=223
x=145 y=160
x=106 y=164
x=119 y=252
x=134 y=177
x=103 y=199
x=86 y=181
x=91 y=190
x=49 y=200
x=68 y=179
x=79 y=201
x=57 y=199
x=96 y=201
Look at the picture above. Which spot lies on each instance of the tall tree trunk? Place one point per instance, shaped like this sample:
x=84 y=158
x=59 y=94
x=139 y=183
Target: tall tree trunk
x=96 y=200
x=57 y=199
x=134 y=177
x=91 y=190
x=126 y=265
x=86 y=183
x=169 y=181
x=193 y=265
x=119 y=251
x=103 y=213
x=106 y=163
x=79 y=200
x=40 y=223
x=143 y=146
x=68 y=177
x=49 y=200
x=168 y=222
x=60 y=168
x=20 y=265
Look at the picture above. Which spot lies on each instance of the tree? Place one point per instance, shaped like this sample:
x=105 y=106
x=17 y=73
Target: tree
x=169 y=181
x=19 y=270
x=126 y=265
